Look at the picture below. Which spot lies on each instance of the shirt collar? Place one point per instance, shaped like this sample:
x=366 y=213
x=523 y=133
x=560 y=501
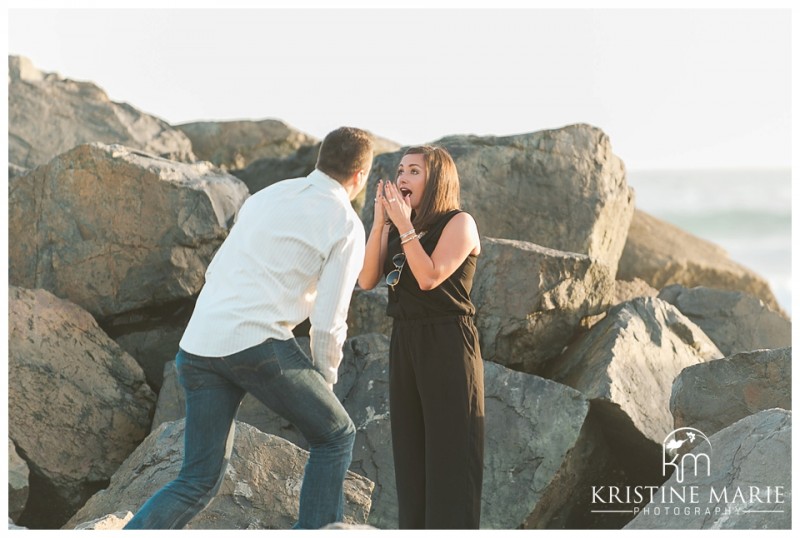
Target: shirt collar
x=326 y=182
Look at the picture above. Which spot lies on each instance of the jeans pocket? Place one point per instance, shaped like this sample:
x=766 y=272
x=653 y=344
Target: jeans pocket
x=255 y=364
x=291 y=356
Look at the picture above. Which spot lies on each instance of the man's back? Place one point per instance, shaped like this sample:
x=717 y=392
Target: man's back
x=263 y=280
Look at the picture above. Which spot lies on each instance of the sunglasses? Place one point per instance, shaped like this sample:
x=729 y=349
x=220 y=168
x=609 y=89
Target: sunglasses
x=399 y=260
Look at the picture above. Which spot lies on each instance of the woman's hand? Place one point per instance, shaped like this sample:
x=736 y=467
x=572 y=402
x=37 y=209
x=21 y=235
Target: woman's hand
x=379 y=214
x=396 y=207
x=375 y=250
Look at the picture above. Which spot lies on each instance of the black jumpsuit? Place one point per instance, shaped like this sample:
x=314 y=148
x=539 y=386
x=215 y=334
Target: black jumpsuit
x=436 y=395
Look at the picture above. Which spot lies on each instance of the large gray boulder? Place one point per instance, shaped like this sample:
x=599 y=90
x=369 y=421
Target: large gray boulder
x=747 y=484
x=597 y=465
x=114 y=230
x=735 y=321
x=261 y=488
x=49 y=115
x=662 y=254
x=364 y=390
x=626 y=364
x=711 y=396
x=18 y=484
x=562 y=189
x=533 y=425
x=77 y=404
x=236 y=144
x=530 y=301
x=367 y=313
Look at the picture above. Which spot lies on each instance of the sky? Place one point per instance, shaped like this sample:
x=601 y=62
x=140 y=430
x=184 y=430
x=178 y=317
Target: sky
x=686 y=88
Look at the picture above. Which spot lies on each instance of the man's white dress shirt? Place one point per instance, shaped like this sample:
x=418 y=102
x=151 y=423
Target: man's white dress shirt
x=295 y=252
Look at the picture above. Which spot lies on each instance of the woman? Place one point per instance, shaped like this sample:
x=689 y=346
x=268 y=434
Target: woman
x=427 y=248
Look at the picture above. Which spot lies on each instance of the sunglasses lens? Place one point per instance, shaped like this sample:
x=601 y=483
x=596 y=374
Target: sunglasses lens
x=399 y=261
x=393 y=278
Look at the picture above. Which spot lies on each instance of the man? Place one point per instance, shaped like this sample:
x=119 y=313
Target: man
x=295 y=251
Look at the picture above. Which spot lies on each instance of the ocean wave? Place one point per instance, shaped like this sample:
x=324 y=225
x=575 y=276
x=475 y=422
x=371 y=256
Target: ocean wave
x=700 y=191
x=732 y=222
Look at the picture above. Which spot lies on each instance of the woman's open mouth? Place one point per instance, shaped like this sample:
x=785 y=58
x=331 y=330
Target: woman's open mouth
x=404 y=192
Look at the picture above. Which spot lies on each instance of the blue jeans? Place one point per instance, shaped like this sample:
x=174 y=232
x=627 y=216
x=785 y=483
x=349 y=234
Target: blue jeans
x=282 y=377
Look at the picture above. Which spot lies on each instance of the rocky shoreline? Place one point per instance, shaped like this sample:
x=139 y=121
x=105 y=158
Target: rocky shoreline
x=606 y=333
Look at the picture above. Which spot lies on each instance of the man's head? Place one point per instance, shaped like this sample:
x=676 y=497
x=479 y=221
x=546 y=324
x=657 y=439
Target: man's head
x=346 y=156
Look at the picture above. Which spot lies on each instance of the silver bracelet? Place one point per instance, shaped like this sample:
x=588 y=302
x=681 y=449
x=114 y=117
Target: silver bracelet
x=403 y=242
x=403 y=236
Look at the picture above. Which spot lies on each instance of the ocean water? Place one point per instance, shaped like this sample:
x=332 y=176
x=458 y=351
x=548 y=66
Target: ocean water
x=748 y=212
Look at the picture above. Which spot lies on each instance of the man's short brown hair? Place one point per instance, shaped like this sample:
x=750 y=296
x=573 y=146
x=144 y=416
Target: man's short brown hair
x=344 y=152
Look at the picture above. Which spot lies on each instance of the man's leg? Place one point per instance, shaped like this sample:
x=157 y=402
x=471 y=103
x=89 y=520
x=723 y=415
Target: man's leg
x=211 y=405
x=301 y=395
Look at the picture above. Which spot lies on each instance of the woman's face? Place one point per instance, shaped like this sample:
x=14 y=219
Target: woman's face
x=411 y=178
